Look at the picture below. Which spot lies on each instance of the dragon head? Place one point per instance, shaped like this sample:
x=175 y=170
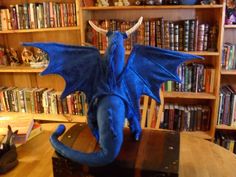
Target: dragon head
x=115 y=52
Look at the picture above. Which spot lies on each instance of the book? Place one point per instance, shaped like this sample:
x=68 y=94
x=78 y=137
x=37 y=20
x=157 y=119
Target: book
x=36 y=130
x=22 y=124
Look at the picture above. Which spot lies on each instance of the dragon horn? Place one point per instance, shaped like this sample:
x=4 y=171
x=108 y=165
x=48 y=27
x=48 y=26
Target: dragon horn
x=96 y=28
x=135 y=27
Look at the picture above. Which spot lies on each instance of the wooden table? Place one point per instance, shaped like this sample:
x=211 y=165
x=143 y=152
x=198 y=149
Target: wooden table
x=198 y=157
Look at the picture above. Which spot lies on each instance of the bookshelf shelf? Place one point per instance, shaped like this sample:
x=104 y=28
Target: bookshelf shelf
x=225 y=127
x=205 y=53
x=199 y=134
x=40 y=30
x=189 y=95
x=11 y=76
x=229 y=26
x=19 y=69
x=154 y=7
x=228 y=72
x=46 y=117
x=204 y=13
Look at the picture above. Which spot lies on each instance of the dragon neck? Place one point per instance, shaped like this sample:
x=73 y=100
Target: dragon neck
x=115 y=58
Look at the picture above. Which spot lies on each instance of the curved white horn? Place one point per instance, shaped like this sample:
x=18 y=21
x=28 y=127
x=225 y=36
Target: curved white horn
x=135 y=27
x=96 y=28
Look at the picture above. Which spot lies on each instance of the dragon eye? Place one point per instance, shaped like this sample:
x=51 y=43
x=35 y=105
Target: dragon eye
x=109 y=33
x=124 y=35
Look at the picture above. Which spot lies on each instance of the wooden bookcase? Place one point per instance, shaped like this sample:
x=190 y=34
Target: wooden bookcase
x=206 y=13
x=228 y=77
x=28 y=77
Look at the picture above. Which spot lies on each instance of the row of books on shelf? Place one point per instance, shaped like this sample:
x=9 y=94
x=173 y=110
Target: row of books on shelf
x=151 y=117
x=24 y=128
x=228 y=57
x=227 y=106
x=195 y=78
x=38 y=15
x=226 y=140
x=41 y=100
x=180 y=117
x=184 y=35
x=186 y=118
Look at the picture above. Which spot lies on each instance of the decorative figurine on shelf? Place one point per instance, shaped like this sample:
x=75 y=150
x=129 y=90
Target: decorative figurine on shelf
x=150 y=2
x=8 y=154
x=27 y=56
x=3 y=57
x=230 y=15
x=126 y=2
x=158 y=2
x=102 y=3
x=40 y=59
x=12 y=56
x=112 y=88
x=122 y=3
x=207 y=2
x=188 y=2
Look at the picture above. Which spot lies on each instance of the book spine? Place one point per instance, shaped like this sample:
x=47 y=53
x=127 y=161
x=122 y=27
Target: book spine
x=54 y=15
x=62 y=15
x=158 y=32
x=51 y=15
x=13 y=17
x=141 y=33
x=147 y=32
x=200 y=37
x=58 y=15
x=171 y=35
x=74 y=14
x=213 y=34
x=65 y=14
x=176 y=37
x=191 y=34
x=152 y=33
x=26 y=16
x=166 y=35
x=186 y=35
x=205 y=40
x=4 y=22
x=181 y=37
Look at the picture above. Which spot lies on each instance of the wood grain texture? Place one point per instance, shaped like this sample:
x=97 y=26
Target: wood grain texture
x=47 y=117
x=198 y=157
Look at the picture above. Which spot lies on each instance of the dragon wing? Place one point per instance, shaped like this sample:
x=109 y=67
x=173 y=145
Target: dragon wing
x=78 y=65
x=146 y=70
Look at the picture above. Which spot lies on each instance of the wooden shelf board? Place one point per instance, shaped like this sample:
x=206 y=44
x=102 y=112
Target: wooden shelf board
x=204 y=53
x=225 y=127
x=230 y=26
x=154 y=7
x=20 y=69
x=46 y=117
x=40 y=30
x=228 y=72
x=189 y=95
x=199 y=134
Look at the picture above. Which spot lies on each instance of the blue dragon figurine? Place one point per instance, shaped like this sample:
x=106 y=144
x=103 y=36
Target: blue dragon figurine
x=113 y=88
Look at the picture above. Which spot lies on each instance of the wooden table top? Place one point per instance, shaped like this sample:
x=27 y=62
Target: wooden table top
x=198 y=157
